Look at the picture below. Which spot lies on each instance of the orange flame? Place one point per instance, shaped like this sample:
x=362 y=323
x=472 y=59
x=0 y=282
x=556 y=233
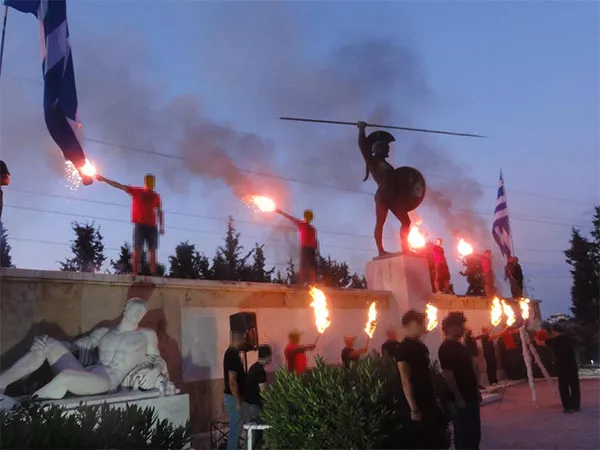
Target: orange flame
x=416 y=239
x=74 y=175
x=524 y=304
x=464 y=248
x=431 y=312
x=372 y=322
x=496 y=312
x=509 y=313
x=264 y=204
x=319 y=305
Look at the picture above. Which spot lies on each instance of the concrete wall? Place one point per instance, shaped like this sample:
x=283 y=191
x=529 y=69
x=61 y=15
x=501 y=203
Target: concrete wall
x=191 y=317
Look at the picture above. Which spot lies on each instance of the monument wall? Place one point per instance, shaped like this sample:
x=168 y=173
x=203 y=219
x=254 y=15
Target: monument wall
x=191 y=317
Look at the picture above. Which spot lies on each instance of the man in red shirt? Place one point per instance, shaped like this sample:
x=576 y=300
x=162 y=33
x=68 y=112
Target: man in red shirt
x=295 y=354
x=308 y=245
x=145 y=207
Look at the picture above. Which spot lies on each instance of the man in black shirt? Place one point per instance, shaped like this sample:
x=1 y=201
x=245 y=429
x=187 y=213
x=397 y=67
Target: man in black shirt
x=461 y=380
x=4 y=181
x=256 y=383
x=235 y=382
x=417 y=383
x=349 y=353
x=566 y=365
x=514 y=274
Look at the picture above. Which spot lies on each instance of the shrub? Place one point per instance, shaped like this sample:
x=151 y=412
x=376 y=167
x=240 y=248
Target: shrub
x=32 y=425
x=332 y=408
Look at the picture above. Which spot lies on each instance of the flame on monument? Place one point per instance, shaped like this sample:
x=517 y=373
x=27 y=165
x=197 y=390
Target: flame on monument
x=524 y=304
x=431 y=312
x=509 y=313
x=319 y=305
x=496 y=312
x=74 y=175
x=464 y=248
x=416 y=239
x=372 y=321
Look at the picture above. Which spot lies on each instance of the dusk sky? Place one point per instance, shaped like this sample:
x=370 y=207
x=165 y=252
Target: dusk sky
x=206 y=82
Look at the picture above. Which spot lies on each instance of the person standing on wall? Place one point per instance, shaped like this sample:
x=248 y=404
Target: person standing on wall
x=461 y=380
x=566 y=364
x=235 y=383
x=4 y=181
x=146 y=207
x=514 y=274
x=488 y=274
x=349 y=353
x=295 y=354
x=417 y=383
x=256 y=384
x=442 y=273
x=308 y=245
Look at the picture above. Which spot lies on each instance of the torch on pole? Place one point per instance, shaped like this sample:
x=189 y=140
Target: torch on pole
x=373 y=125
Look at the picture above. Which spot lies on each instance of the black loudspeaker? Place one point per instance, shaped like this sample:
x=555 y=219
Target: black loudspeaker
x=244 y=323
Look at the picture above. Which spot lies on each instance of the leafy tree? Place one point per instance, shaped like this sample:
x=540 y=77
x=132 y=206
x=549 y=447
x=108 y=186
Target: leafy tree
x=5 y=257
x=338 y=274
x=584 y=259
x=188 y=263
x=228 y=263
x=279 y=279
x=291 y=274
x=87 y=248
x=257 y=272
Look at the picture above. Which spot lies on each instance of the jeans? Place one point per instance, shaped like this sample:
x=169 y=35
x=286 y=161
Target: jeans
x=568 y=387
x=467 y=426
x=235 y=422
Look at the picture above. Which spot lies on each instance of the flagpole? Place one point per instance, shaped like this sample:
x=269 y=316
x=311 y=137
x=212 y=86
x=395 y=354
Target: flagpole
x=512 y=244
x=3 y=37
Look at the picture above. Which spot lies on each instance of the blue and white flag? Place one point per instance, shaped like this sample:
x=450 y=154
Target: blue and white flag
x=501 y=226
x=60 y=94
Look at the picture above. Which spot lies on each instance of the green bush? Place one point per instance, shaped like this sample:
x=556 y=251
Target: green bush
x=335 y=408
x=32 y=425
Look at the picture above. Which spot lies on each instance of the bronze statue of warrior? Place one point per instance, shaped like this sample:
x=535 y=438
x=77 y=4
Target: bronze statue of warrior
x=398 y=190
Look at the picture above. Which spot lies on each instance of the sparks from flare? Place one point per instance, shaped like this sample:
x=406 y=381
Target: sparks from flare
x=319 y=305
x=261 y=203
x=496 y=312
x=431 y=312
x=524 y=304
x=372 y=321
x=464 y=248
x=73 y=175
x=509 y=313
x=416 y=239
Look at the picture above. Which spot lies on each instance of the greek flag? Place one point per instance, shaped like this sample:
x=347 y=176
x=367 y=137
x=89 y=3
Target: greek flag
x=60 y=94
x=501 y=226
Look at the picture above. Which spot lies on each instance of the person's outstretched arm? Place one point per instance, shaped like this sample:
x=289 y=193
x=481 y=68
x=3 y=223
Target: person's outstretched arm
x=112 y=183
x=288 y=217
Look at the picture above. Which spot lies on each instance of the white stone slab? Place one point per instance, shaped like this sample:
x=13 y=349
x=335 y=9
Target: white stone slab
x=175 y=408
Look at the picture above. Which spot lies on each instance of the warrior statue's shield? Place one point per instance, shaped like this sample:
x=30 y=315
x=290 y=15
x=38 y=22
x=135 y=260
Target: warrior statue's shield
x=405 y=189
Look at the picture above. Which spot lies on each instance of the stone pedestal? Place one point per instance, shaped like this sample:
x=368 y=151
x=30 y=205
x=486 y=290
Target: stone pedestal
x=175 y=408
x=406 y=276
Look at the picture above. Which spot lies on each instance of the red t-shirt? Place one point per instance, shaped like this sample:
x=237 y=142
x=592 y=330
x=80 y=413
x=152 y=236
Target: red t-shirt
x=144 y=203
x=308 y=235
x=296 y=362
x=486 y=264
x=509 y=340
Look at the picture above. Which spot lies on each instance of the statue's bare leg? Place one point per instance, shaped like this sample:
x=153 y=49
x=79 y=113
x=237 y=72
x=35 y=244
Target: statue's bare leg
x=43 y=349
x=404 y=219
x=381 y=212
x=74 y=381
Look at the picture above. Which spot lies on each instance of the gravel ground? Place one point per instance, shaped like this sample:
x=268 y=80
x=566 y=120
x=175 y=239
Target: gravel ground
x=515 y=423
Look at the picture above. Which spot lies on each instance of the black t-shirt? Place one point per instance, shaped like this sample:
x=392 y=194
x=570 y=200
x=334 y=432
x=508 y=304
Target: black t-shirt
x=347 y=356
x=471 y=345
x=233 y=363
x=564 y=351
x=414 y=353
x=488 y=347
x=455 y=357
x=256 y=376
x=390 y=348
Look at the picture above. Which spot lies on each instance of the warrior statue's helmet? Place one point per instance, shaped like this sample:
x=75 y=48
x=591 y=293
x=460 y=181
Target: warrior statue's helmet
x=380 y=143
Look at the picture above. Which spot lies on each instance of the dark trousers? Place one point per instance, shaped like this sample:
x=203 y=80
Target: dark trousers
x=491 y=366
x=568 y=387
x=467 y=426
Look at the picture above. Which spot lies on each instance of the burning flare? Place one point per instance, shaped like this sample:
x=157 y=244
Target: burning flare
x=509 y=313
x=319 y=305
x=416 y=239
x=263 y=204
x=464 y=248
x=524 y=304
x=372 y=322
x=496 y=312
x=431 y=312
x=74 y=175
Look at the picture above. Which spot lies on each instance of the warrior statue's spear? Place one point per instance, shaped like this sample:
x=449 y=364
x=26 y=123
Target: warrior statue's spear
x=372 y=125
